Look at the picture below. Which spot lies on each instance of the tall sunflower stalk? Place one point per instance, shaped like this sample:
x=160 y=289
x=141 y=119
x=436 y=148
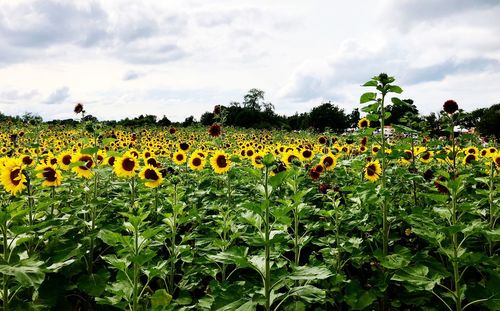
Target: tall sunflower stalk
x=377 y=112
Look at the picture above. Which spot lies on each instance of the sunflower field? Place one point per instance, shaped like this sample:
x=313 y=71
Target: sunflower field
x=101 y=218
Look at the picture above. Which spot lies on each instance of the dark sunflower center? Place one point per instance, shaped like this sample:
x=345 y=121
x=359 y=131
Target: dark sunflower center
x=364 y=123
x=407 y=155
x=375 y=149
x=307 y=153
x=497 y=161
x=291 y=158
x=49 y=174
x=371 y=170
x=111 y=161
x=88 y=162
x=66 y=160
x=221 y=161
x=258 y=159
x=14 y=175
x=27 y=160
x=151 y=175
x=151 y=161
x=184 y=146
x=328 y=161
x=179 y=157
x=319 y=168
x=249 y=153
x=470 y=158
x=128 y=164
x=426 y=156
x=53 y=161
x=196 y=162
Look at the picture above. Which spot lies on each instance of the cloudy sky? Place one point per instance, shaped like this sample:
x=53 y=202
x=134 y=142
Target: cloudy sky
x=179 y=58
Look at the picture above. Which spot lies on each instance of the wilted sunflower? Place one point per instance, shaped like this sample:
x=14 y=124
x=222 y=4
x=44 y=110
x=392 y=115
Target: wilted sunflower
x=450 y=106
x=220 y=162
x=372 y=170
x=125 y=166
x=179 y=157
x=215 y=130
x=50 y=175
x=12 y=176
x=196 y=162
x=363 y=123
x=78 y=108
x=85 y=169
x=152 y=176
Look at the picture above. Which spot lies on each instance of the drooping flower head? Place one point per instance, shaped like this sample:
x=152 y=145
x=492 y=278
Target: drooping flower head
x=450 y=106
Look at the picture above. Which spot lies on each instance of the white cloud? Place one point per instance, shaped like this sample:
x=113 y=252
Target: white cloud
x=123 y=58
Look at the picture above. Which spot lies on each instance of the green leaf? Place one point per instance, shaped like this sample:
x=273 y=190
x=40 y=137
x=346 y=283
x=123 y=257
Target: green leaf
x=107 y=141
x=371 y=83
x=367 y=97
x=27 y=272
x=160 y=299
x=357 y=297
x=395 y=89
x=277 y=179
x=415 y=278
x=90 y=150
x=310 y=273
x=93 y=284
x=308 y=293
x=397 y=260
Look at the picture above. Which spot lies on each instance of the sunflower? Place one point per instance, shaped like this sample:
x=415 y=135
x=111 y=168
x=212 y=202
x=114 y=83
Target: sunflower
x=65 y=159
x=376 y=148
x=196 y=162
x=373 y=170
x=50 y=175
x=12 y=176
x=328 y=161
x=364 y=122
x=220 y=162
x=85 y=169
x=179 y=157
x=126 y=166
x=306 y=155
x=152 y=176
x=496 y=159
x=470 y=158
x=257 y=161
x=289 y=157
x=426 y=156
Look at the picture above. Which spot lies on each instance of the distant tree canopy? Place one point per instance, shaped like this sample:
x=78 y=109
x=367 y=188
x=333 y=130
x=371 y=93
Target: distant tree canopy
x=488 y=123
x=254 y=112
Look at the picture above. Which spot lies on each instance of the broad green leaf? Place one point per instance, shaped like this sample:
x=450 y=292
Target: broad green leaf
x=309 y=273
x=160 y=299
x=367 y=97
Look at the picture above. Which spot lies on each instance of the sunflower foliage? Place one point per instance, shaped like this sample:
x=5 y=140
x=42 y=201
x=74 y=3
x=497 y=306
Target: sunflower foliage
x=94 y=217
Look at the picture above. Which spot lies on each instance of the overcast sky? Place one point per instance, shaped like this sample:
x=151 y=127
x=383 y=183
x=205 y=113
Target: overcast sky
x=180 y=58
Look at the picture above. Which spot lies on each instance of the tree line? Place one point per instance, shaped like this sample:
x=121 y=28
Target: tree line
x=254 y=112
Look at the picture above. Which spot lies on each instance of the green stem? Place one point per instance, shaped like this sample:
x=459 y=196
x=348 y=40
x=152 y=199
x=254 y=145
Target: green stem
x=492 y=205
x=267 y=281
x=456 y=271
x=385 y=226
x=5 y=296
x=135 y=305
x=173 y=251
x=52 y=196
